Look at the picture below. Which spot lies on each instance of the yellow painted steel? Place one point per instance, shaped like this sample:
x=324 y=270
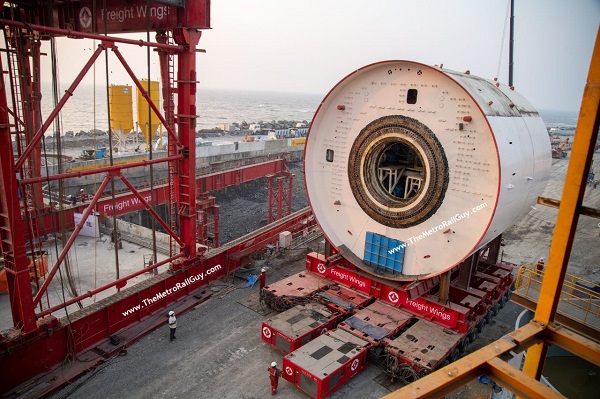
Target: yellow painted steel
x=586 y=134
x=120 y=99
x=147 y=119
x=578 y=345
x=518 y=383
x=580 y=294
x=448 y=379
x=541 y=332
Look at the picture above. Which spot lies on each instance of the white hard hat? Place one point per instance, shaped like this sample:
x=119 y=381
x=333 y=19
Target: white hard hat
x=171 y=313
x=274 y=364
x=263 y=270
x=81 y=190
x=542 y=259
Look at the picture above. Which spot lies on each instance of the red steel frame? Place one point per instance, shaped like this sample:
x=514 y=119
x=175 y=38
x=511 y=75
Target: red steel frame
x=21 y=354
x=280 y=195
x=24 y=353
x=89 y=331
x=128 y=202
x=458 y=317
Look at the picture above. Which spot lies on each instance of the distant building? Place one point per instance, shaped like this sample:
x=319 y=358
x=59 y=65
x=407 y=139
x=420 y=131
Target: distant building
x=255 y=126
x=281 y=133
x=226 y=127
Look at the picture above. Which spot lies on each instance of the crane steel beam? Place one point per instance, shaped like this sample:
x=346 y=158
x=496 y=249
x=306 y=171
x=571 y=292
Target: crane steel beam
x=586 y=134
x=12 y=237
x=28 y=362
x=127 y=202
x=75 y=34
x=63 y=254
x=186 y=123
x=68 y=93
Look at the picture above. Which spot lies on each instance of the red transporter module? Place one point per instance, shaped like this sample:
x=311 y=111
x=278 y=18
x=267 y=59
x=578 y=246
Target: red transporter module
x=299 y=325
x=324 y=364
x=376 y=322
x=341 y=299
x=296 y=289
x=423 y=347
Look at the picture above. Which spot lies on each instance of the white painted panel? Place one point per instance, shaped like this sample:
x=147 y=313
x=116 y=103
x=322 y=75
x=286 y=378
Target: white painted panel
x=497 y=160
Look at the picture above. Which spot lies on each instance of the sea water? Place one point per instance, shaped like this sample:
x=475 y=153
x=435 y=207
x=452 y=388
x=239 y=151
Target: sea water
x=87 y=110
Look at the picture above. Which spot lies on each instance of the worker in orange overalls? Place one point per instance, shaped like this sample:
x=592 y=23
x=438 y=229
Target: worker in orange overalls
x=540 y=265
x=274 y=374
x=262 y=279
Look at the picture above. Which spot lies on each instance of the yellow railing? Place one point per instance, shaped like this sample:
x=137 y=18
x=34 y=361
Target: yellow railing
x=529 y=281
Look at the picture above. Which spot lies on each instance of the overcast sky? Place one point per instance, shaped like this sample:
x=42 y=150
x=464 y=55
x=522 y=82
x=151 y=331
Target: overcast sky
x=309 y=45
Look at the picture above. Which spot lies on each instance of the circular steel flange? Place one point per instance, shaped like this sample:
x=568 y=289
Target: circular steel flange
x=366 y=161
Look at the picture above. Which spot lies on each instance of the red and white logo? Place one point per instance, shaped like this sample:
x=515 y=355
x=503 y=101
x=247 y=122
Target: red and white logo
x=267 y=332
x=354 y=365
x=393 y=297
x=321 y=268
x=288 y=370
x=85 y=17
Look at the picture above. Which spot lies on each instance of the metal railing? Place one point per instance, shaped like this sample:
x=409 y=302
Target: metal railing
x=576 y=292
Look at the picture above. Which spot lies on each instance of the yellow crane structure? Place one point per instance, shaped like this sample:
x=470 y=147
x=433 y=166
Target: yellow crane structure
x=536 y=336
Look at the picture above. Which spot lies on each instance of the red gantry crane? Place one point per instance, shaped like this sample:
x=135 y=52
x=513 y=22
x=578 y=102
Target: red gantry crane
x=25 y=217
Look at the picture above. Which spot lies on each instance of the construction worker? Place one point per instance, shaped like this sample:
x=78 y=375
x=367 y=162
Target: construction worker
x=274 y=374
x=82 y=196
x=540 y=265
x=262 y=279
x=172 y=324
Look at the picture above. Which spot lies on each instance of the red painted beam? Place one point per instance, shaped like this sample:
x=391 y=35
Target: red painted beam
x=25 y=361
x=12 y=239
x=125 y=203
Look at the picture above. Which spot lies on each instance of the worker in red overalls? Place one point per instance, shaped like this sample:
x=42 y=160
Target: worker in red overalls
x=274 y=374
x=262 y=279
x=540 y=265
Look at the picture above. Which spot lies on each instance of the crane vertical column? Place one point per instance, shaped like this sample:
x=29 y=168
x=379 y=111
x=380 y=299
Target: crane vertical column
x=12 y=241
x=186 y=122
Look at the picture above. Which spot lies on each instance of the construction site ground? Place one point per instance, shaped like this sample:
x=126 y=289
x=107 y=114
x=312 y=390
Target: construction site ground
x=219 y=353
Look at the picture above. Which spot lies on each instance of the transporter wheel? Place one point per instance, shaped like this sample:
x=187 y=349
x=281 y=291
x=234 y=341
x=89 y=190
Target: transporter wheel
x=455 y=355
x=378 y=356
x=444 y=363
x=423 y=372
x=408 y=374
x=480 y=326
x=496 y=309
x=473 y=335
x=503 y=301
x=489 y=317
x=464 y=345
x=280 y=304
x=392 y=366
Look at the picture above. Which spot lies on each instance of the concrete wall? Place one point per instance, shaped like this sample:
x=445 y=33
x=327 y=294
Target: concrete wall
x=205 y=156
x=139 y=231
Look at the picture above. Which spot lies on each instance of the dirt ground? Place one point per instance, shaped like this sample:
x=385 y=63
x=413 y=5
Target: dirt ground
x=243 y=208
